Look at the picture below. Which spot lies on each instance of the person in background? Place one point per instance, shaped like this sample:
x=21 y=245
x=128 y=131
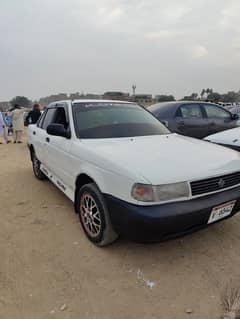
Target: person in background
x=3 y=130
x=34 y=115
x=18 y=123
x=8 y=121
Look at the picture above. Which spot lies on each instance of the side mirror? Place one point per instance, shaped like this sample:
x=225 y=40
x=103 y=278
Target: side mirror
x=58 y=130
x=235 y=116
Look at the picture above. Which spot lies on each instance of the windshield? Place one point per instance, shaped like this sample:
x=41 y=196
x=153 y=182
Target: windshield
x=113 y=120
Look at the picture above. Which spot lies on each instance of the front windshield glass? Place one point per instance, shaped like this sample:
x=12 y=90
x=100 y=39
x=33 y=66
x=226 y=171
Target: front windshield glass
x=114 y=120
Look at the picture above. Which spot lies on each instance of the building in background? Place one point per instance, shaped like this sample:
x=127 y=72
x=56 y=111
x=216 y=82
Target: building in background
x=63 y=96
x=116 y=95
x=164 y=98
x=144 y=99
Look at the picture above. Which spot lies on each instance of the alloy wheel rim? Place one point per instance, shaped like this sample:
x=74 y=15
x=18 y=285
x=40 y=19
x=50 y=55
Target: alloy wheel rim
x=90 y=215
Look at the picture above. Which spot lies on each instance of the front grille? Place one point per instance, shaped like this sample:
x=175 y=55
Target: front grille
x=215 y=184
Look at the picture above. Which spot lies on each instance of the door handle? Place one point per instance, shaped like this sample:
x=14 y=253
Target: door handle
x=34 y=133
x=47 y=139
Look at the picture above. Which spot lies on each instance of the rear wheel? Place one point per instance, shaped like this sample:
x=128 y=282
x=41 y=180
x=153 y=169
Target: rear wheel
x=94 y=216
x=36 y=167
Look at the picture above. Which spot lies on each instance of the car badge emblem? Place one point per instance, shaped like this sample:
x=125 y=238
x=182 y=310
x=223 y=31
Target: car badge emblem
x=221 y=183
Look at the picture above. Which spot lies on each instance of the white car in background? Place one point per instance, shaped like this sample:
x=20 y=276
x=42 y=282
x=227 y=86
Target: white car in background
x=228 y=138
x=128 y=175
x=235 y=109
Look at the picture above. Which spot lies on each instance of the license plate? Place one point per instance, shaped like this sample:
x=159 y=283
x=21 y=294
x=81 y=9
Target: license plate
x=221 y=212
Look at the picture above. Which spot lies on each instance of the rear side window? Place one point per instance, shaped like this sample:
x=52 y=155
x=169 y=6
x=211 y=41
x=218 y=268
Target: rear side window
x=213 y=111
x=189 y=111
x=41 y=119
x=48 y=118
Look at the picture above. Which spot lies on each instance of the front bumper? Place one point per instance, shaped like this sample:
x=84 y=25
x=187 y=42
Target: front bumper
x=161 y=222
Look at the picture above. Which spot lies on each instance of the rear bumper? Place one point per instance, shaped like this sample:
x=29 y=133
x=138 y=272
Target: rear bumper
x=156 y=223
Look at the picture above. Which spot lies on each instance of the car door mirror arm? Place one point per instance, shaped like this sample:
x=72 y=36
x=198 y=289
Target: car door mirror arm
x=68 y=133
x=235 y=116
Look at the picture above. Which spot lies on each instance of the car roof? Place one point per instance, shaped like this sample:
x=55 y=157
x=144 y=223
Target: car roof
x=55 y=104
x=101 y=101
x=170 y=108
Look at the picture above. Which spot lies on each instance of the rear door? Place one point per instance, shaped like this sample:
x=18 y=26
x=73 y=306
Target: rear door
x=190 y=120
x=218 y=118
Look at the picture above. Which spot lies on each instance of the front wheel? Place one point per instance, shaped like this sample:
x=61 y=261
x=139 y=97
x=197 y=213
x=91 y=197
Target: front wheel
x=36 y=164
x=94 y=216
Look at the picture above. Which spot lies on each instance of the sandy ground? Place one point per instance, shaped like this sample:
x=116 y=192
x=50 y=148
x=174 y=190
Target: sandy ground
x=48 y=269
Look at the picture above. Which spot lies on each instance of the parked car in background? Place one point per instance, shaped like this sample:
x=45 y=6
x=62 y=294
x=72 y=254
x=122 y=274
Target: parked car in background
x=128 y=175
x=229 y=138
x=194 y=119
x=235 y=109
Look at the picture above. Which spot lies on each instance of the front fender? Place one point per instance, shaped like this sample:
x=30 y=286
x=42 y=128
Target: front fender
x=110 y=183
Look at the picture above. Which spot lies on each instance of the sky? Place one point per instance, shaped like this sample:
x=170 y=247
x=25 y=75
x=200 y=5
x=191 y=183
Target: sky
x=91 y=46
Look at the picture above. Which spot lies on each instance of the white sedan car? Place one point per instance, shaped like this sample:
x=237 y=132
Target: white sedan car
x=128 y=175
x=228 y=138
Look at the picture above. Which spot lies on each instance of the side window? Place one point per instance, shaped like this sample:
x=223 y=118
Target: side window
x=216 y=112
x=60 y=117
x=189 y=111
x=41 y=119
x=49 y=117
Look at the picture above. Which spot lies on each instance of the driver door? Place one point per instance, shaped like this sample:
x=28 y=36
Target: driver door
x=57 y=147
x=190 y=121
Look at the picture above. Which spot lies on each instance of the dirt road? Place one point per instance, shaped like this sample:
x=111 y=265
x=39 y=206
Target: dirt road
x=48 y=269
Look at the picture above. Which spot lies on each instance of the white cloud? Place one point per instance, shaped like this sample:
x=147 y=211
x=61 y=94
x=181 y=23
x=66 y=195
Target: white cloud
x=176 y=12
x=111 y=13
x=199 y=51
x=230 y=15
x=116 y=12
x=163 y=34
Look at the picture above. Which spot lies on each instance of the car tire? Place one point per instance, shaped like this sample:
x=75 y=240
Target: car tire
x=94 y=216
x=36 y=167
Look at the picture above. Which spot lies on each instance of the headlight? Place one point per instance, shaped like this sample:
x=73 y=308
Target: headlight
x=143 y=193
x=149 y=193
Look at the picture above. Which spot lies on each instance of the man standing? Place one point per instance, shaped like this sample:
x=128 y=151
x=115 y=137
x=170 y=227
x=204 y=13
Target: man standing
x=18 y=122
x=3 y=130
x=34 y=115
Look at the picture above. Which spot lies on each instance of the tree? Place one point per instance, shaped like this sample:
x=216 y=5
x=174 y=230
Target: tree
x=202 y=93
x=214 y=97
x=230 y=97
x=192 y=97
x=22 y=101
x=187 y=98
x=165 y=98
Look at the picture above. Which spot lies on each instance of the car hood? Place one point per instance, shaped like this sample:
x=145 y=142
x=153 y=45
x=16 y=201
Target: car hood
x=229 y=137
x=164 y=159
